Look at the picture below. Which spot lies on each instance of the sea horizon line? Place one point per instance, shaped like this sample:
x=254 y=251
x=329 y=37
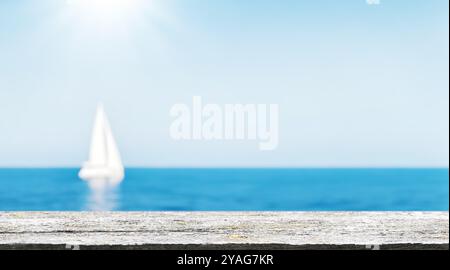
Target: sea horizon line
x=239 y=167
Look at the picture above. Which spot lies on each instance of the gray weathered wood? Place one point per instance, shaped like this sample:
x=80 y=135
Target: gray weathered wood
x=224 y=230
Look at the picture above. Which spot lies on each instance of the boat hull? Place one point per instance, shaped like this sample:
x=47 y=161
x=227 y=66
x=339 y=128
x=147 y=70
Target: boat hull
x=105 y=175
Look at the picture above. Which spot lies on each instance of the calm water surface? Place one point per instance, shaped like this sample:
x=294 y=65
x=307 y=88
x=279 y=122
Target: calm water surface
x=230 y=189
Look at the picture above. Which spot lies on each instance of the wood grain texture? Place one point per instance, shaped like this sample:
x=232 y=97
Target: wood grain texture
x=224 y=230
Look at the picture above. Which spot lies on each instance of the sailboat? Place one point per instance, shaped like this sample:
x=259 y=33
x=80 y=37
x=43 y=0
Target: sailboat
x=104 y=166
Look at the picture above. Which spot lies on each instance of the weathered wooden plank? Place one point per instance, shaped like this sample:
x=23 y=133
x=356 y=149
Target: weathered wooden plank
x=223 y=230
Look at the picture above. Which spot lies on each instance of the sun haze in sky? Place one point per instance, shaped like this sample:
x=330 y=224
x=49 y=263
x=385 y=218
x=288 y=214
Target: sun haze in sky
x=105 y=9
x=357 y=85
x=107 y=15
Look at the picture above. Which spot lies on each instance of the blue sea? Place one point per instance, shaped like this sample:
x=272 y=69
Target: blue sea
x=230 y=190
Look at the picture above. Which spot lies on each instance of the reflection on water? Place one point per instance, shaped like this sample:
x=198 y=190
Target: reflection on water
x=228 y=190
x=103 y=195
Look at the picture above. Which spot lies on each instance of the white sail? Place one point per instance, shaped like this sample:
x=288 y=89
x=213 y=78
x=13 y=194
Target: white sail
x=104 y=165
x=98 y=150
x=113 y=156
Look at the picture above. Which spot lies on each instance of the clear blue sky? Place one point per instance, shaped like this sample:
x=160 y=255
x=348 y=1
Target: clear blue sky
x=357 y=84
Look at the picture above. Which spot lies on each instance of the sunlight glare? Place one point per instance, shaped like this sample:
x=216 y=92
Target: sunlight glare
x=106 y=11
